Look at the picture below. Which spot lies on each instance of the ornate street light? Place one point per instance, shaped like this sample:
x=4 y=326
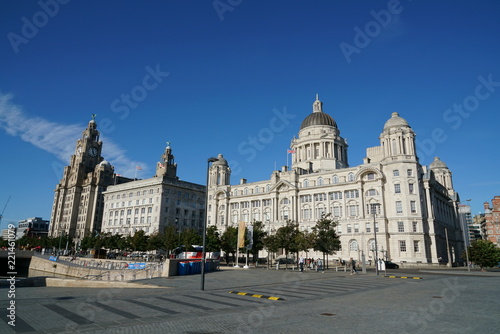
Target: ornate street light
x=204 y=253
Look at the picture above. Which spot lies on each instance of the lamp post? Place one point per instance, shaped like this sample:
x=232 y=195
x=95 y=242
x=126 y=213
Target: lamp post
x=462 y=219
x=204 y=253
x=374 y=208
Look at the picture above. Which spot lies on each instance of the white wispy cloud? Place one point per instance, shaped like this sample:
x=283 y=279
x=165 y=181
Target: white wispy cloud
x=55 y=138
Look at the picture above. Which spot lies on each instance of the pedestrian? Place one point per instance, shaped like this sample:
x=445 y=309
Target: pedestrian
x=301 y=264
x=352 y=263
x=319 y=265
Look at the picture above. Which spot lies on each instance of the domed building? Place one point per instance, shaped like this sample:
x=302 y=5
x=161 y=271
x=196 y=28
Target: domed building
x=389 y=207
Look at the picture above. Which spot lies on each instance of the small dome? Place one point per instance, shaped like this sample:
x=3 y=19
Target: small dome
x=220 y=161
x=396 y=121
x=437 y=164
x=318 y=118
x=105 y=163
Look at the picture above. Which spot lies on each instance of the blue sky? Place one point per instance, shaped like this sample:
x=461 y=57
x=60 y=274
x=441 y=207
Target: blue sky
x=211 y=76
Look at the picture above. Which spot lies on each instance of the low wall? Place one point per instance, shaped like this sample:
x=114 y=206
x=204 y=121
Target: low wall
x=66 y=268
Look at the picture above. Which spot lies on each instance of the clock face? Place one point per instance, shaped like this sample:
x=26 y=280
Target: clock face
x=93 y=152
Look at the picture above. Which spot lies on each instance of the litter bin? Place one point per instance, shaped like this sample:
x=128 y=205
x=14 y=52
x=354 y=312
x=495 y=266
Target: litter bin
x=182 y=268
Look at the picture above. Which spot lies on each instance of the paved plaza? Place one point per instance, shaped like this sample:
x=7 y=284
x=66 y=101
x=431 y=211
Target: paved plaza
x=267 y=301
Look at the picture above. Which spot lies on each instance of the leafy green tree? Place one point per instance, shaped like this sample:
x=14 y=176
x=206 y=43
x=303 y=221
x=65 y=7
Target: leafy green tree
x=229 y=240
x=88 y=242
x=4 y=243
x=213 y=242
x=258 y=239
x=484 y=253
x=271 y=244
x=155 y=241
x=305 y=241
x=139 y=241
x=190 y=237
x=326 y=239
x=170 y=238
x=287 y=238
x=114 y=241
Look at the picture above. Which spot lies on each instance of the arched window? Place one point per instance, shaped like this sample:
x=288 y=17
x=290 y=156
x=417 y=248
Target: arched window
x=267 y=215
x=256 y=215
x=306 y=183
x=335 y=179
x=320 y=181
x=353 y=246
x=350 y=177
x=245 y=192
x=268 y=187
x=256 y=191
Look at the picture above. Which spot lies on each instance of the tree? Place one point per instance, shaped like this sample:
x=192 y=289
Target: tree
x=190 y=237
x=155 y=241
x=213 y=242
x=287 y=238
x=258 y=239
x=228 y=241
x=484 y=253
x=326 y=239
x=138 y=241
x=305 y=241
x=170 y=238
x=114 y=241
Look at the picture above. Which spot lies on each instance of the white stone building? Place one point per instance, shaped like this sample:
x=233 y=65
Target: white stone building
x=414 y=206
x=152 y=204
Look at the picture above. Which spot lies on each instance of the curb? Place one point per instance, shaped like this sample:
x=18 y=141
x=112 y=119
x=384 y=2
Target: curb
x=256 y=296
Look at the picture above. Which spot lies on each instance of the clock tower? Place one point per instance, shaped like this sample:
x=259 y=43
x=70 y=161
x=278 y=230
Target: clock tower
x=78 y=201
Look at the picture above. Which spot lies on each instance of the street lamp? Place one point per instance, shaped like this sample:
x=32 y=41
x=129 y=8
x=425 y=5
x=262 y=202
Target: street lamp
x=462 y=219
x=374 y=208
x=204 y=253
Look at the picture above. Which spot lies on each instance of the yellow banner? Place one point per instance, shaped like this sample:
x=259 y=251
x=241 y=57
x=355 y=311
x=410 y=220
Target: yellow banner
x=241 y=235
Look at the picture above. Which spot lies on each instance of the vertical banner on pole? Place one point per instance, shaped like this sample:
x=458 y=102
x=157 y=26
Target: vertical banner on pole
x=250 y=237
x=241 y=235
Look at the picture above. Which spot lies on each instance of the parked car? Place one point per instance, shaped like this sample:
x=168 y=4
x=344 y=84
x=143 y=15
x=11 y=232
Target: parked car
x=391 y=265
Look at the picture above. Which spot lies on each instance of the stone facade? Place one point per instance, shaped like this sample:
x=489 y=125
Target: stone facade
x=152 y=204
x=414 y=208
x=78 y=202
x=492 y=220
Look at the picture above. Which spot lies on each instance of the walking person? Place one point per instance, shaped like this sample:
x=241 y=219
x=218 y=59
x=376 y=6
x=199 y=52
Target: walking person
x=352 y=263
x=301 y=264
x=319 y=265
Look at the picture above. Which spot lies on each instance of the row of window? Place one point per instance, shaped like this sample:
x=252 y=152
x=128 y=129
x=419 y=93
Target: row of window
x=368 y=227
x=354 y=246
x=351 y=210
x=137 y=220
x=319 y=182
x=130 y=203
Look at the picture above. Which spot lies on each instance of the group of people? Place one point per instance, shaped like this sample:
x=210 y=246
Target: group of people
x=310 y=264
